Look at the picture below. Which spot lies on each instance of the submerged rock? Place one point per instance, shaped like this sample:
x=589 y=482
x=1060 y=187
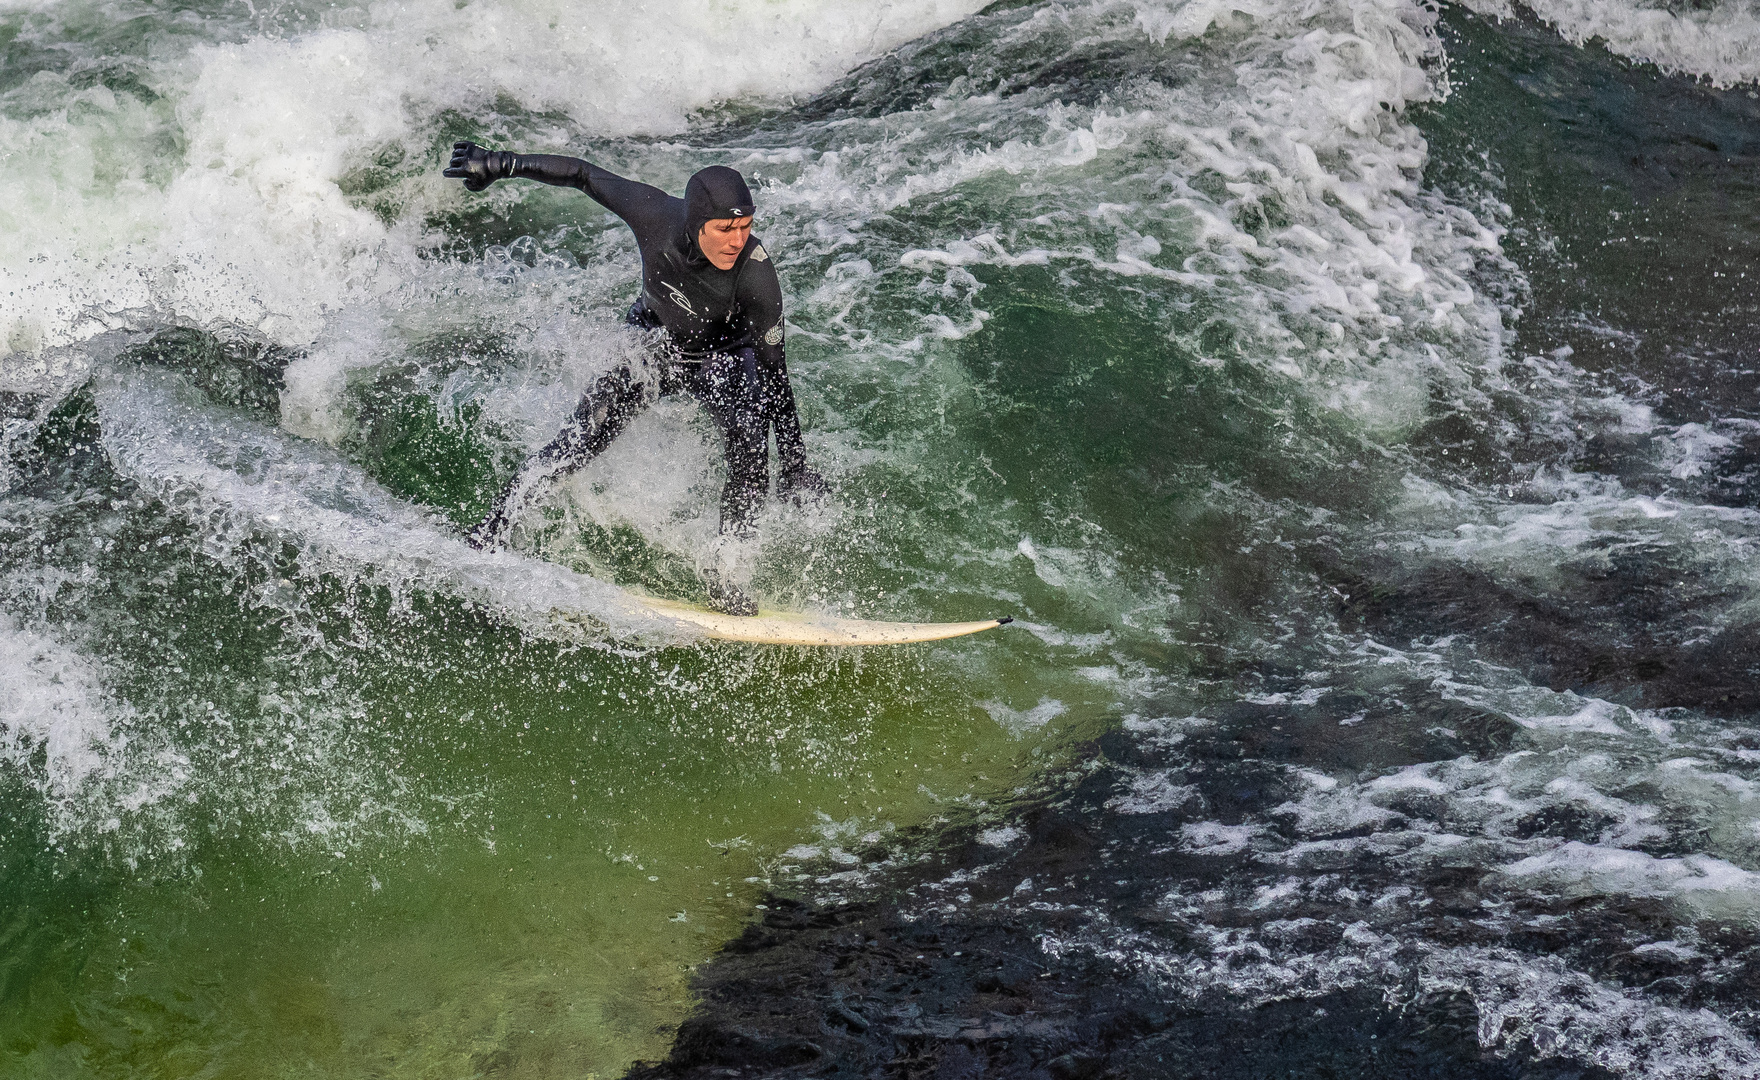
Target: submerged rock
x=908 y=985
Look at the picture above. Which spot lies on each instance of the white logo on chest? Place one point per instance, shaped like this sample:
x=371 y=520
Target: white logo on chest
x=678 y=297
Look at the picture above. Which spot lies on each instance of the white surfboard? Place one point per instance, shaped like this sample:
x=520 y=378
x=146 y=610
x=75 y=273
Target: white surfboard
x=799 y=628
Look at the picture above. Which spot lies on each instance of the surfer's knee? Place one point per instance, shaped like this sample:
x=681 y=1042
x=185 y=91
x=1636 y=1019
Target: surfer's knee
x=604 y=411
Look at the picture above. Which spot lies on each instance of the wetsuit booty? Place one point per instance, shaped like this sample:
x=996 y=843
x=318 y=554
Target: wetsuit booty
x=726 y=597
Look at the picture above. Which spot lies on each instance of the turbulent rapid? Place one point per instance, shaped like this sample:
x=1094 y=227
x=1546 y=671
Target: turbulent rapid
x=1351 y=400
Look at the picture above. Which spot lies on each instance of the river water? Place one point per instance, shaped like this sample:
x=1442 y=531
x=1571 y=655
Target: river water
x=1352 y=401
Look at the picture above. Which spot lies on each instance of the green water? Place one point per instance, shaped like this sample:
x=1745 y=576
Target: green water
x=592 y=827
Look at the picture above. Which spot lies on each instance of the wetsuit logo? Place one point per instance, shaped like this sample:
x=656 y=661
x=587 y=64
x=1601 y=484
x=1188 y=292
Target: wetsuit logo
x=759 y=254
x=773 y=336
x=678 y=297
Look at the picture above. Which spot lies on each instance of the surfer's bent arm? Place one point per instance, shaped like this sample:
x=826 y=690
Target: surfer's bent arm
x=760 y=300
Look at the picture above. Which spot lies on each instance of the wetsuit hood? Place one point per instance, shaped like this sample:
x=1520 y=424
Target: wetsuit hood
x=714 y=194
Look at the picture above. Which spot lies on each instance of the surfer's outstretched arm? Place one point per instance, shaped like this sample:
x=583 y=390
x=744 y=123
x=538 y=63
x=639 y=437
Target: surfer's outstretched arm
x=644 y=207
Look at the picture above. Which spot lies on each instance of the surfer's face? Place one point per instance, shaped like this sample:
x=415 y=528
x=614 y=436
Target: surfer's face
x=722 y=241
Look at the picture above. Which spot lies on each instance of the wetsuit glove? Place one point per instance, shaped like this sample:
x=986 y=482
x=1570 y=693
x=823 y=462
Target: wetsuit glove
x=477 y=167
x=802 y=485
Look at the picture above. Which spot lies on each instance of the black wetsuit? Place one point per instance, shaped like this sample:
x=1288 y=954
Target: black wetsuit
x=724 y=329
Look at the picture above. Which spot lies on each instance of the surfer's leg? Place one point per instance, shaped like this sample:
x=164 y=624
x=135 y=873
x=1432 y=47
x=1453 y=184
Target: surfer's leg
x=723 y=386
x=728 y=388
x=604 y=411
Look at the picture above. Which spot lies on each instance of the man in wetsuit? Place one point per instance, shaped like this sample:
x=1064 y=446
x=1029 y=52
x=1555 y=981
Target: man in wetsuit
x=710 y=285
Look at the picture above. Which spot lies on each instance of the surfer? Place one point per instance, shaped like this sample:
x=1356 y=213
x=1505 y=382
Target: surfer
x=712 y=299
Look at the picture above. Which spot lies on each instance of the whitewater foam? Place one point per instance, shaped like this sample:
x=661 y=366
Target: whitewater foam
x=64 y=733
x=1717 y=42
x=215 y=196
x=1709 y=887
x=1285 y=188
x=236 y=478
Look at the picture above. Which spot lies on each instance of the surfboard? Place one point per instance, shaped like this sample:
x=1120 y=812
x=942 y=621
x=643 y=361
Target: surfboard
x=800 y=628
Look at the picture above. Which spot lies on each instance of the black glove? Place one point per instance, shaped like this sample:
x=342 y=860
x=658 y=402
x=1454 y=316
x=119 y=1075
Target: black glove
x=802 y=485
x=477 y=167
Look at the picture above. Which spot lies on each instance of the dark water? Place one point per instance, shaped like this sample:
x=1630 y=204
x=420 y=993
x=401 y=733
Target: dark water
x=1351 y=403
